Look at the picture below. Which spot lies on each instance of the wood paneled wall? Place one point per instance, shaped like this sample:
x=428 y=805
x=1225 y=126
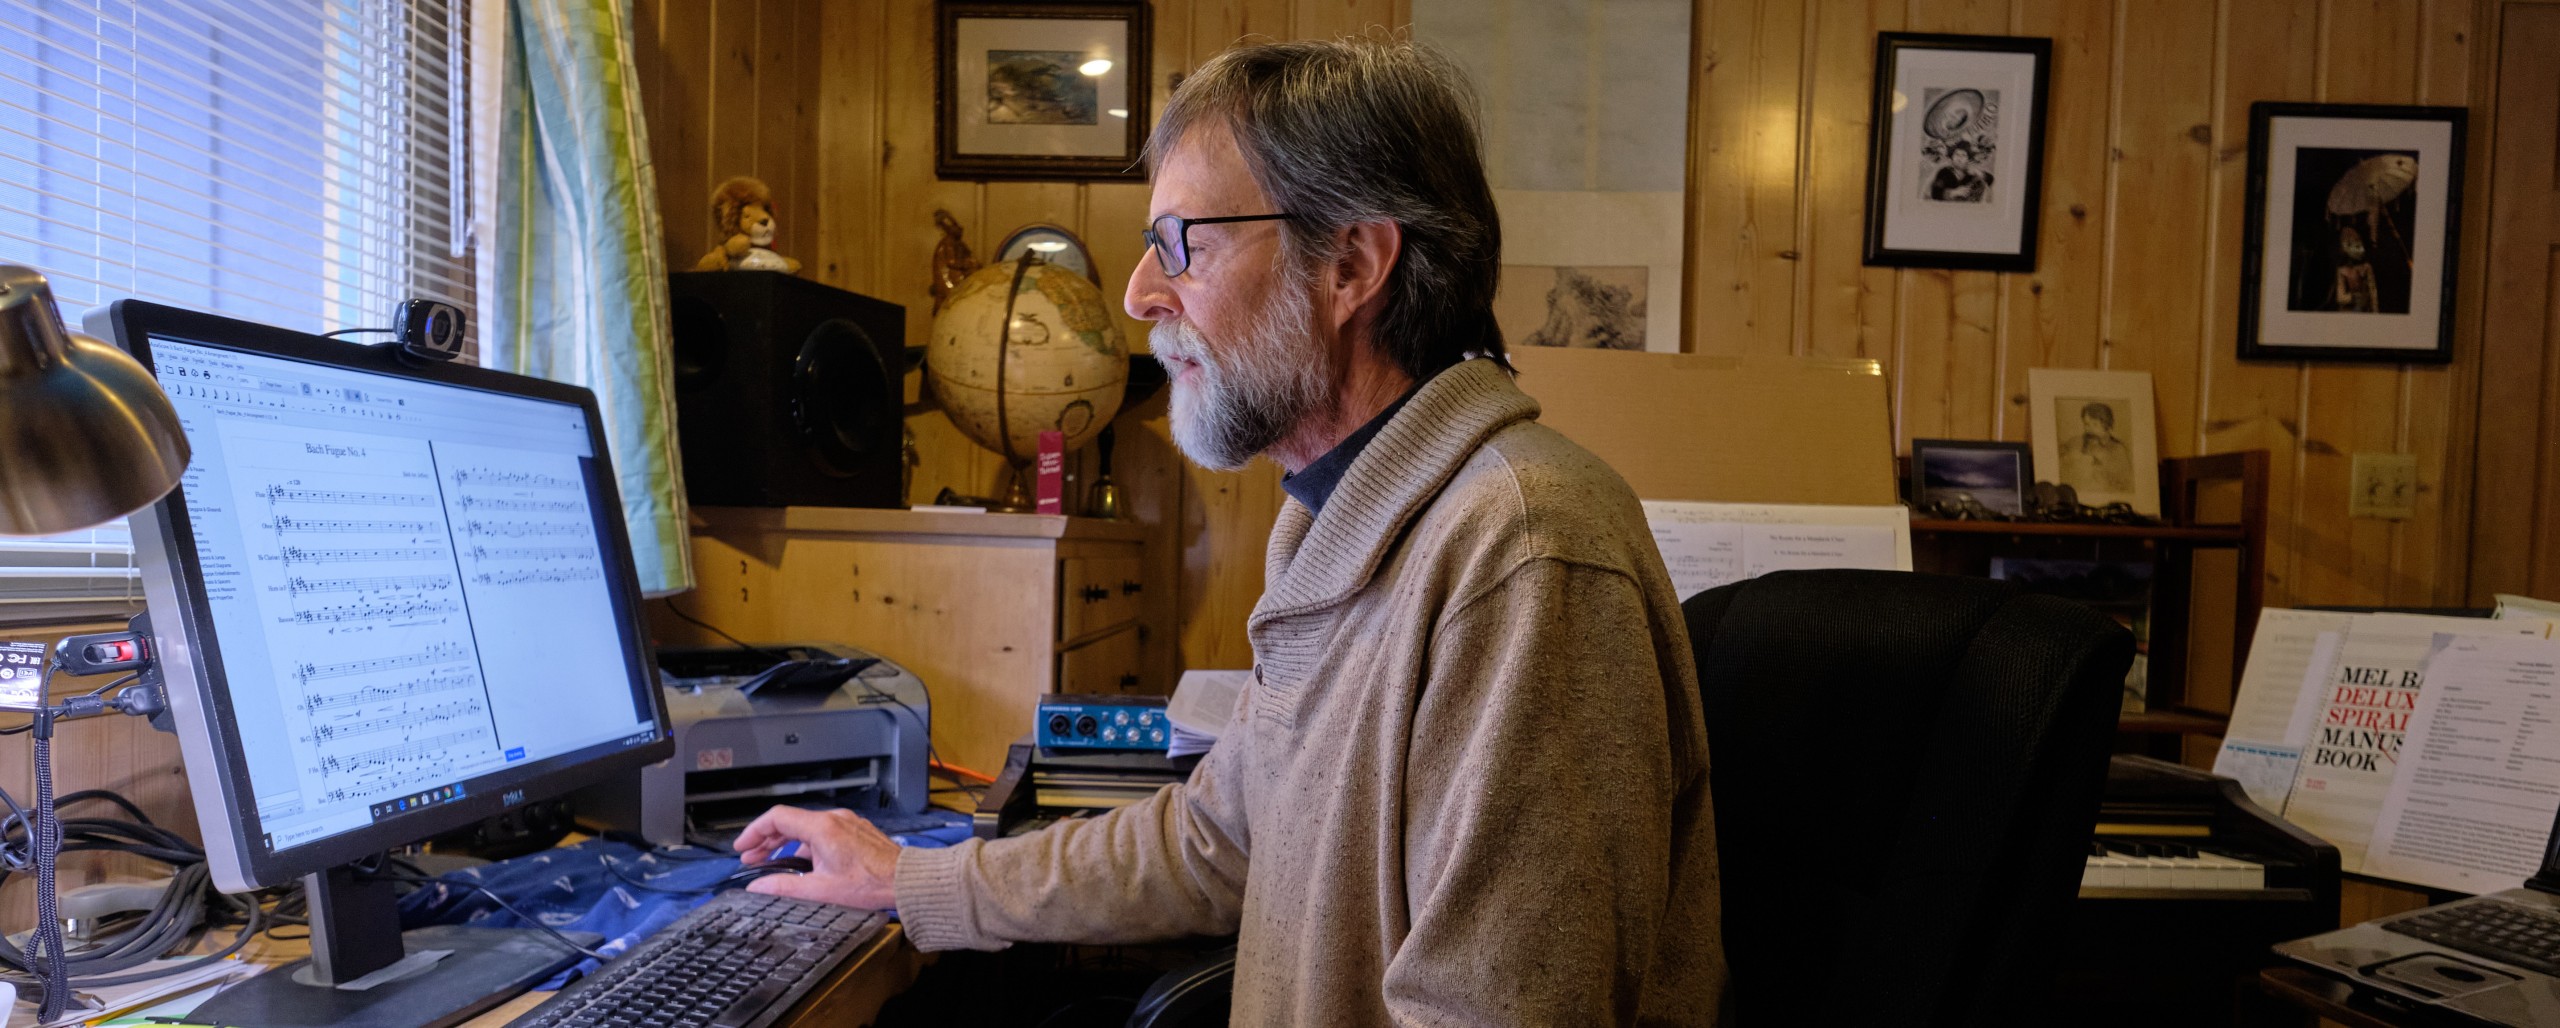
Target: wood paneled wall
x=2138 y=267
x=831 y=103
x=2146 y=153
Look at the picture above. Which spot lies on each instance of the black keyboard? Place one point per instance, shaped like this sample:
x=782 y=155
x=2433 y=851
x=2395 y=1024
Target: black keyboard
x=2507 y=932
x=738 y=961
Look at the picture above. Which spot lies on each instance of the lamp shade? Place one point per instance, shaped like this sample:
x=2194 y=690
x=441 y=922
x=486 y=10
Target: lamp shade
x=86 y=435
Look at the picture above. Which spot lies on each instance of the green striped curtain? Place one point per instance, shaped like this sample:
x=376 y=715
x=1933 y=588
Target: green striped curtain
x=572 y=266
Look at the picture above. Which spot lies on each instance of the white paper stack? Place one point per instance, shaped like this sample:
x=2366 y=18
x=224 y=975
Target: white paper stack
x=1202 y=702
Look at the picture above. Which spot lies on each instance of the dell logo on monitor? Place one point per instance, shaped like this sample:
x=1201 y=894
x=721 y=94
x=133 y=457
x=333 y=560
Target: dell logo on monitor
x=512 y=797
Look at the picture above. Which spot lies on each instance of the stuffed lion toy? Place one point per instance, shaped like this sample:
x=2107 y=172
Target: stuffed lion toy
x=743 y=210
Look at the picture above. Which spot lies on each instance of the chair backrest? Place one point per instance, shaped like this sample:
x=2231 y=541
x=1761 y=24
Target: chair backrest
x=1906 y=771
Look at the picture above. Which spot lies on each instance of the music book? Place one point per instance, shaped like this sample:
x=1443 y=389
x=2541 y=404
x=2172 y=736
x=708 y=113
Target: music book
x=1705 y=545
x=2323 y=719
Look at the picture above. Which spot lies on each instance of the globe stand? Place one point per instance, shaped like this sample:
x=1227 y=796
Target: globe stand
x=1017 y=497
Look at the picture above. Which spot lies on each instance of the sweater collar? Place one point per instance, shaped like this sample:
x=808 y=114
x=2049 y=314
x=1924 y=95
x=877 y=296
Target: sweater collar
x=1315 y=561
x=1314 y=484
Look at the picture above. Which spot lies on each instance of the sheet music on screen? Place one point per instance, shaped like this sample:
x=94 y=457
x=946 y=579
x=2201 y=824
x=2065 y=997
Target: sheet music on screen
x=405 y=578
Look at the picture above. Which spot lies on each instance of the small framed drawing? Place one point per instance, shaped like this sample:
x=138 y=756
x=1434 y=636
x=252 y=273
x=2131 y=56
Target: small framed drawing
x=2348 y=244
x=1955 y=159
x=2093 y=432
x=1041 y=90
x=1946 y=472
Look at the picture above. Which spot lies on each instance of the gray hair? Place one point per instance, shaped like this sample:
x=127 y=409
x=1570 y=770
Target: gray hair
x=1339 y=133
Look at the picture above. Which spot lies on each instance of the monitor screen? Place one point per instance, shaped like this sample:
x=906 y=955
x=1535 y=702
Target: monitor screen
x=406 y=598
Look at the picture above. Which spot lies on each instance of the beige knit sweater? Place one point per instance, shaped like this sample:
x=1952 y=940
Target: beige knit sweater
x=1469 y=786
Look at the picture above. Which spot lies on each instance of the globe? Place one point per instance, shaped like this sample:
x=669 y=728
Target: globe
x=1025 y=347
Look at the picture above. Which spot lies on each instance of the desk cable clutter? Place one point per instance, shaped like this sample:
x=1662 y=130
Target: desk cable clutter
x=32 y=841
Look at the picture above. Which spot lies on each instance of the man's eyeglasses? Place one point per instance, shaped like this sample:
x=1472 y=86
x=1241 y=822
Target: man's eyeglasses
x=1170 y=237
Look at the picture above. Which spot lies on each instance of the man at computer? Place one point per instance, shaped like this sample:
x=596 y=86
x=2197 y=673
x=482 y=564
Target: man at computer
x=1469 y=782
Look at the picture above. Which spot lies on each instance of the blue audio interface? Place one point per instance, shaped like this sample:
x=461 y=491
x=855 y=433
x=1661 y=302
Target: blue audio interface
x=1071 y=721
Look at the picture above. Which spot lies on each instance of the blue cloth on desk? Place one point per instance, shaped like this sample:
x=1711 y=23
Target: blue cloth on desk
x=614 y=889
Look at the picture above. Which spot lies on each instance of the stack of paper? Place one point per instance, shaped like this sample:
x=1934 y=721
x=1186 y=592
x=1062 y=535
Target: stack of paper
x=2472 y=806
x=1202 y=702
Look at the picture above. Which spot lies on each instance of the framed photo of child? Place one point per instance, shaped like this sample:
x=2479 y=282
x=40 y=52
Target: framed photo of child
x=2348 y=247
x=2093 y=432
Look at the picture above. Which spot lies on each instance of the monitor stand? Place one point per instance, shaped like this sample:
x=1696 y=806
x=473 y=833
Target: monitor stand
x=356 y=938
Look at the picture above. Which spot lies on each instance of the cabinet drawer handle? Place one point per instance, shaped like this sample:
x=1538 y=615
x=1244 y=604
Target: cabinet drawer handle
x=1095 y=594
x=1130 y=588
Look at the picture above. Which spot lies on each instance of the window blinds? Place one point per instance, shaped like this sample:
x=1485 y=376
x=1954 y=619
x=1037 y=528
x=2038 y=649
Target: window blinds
x=292 y=162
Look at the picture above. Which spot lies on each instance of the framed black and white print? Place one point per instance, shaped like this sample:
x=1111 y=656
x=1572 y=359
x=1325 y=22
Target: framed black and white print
x=1955 y=158
x=2348 y=245
x=1041 y=90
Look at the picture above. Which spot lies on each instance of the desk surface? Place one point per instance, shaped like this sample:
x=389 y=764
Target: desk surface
x=853 y=995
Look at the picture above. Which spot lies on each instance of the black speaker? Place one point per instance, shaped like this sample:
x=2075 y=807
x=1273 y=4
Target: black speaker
x=788 y=392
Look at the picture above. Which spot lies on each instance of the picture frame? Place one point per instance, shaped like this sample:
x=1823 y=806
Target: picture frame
x=1041 y=90
x=1955 y=169
x=2350 y=240
x=1998 y=475
x=2094 y=432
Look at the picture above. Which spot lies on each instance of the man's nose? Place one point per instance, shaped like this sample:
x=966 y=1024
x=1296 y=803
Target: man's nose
x=1150 y=296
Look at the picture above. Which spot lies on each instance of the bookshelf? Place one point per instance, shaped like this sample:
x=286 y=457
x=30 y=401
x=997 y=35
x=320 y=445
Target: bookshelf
x=2208 y=579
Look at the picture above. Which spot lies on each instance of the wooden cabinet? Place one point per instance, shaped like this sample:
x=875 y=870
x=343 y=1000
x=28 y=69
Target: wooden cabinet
x=991 y=610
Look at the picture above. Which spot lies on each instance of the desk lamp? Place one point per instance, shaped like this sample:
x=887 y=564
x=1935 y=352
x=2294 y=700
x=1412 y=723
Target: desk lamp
x=86 y=437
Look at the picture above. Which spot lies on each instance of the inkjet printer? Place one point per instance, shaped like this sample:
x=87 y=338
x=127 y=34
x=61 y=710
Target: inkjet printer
x=820 y=725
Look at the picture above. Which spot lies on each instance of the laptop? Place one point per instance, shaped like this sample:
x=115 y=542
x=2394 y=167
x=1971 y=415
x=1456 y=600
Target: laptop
x=2495 y=958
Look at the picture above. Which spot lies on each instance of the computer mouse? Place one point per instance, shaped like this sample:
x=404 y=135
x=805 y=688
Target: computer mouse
x=779 y=866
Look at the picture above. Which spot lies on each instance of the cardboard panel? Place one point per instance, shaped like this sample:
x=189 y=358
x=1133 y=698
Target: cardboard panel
x=1681 y=426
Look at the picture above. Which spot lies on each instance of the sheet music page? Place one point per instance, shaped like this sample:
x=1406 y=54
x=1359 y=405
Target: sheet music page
x=1705 y=545
x=2354 y=746
x=351 y=562
x=2472 y=807
x=2264 y=741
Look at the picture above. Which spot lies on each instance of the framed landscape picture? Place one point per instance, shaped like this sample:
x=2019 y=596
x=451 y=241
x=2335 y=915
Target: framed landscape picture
x=1955 y=162
x=1041 y=90
x=2348 y=244
x=1947 y=472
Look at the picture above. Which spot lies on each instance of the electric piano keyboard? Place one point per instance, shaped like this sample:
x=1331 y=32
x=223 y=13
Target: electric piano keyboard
x=2187 y=885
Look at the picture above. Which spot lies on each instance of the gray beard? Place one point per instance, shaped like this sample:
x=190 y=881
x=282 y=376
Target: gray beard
x=1253 y=391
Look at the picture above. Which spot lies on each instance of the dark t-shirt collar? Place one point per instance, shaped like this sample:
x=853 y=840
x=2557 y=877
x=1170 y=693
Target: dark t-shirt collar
x=1314 y=484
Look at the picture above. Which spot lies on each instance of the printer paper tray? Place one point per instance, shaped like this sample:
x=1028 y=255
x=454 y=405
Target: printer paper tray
x=790 y=788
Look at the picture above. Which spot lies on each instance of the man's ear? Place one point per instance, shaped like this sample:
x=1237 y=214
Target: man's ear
x=1359 y=280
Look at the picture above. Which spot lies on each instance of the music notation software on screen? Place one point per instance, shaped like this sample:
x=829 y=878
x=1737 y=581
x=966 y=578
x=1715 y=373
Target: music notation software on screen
x=412 y=567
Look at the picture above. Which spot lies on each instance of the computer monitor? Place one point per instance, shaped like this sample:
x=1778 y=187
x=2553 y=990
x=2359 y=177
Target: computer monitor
x=390 y=598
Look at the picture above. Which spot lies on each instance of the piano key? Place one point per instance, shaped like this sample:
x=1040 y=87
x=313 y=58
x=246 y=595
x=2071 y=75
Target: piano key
x=2134 y=864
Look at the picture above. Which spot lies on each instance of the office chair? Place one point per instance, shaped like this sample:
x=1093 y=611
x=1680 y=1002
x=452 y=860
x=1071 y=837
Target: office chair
x=1907 y=770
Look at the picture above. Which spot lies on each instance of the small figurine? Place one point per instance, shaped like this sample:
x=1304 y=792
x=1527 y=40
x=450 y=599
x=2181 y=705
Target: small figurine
x=952 y=261
x=743 y=210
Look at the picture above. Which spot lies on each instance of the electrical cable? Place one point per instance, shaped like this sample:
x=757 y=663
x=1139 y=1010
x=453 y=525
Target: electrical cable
x=502 y=903
x=186 y=909
x=616 y=870
x=48 y=841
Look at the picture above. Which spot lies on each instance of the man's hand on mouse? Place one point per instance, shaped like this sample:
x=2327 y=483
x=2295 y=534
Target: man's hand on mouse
x=852 y=863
